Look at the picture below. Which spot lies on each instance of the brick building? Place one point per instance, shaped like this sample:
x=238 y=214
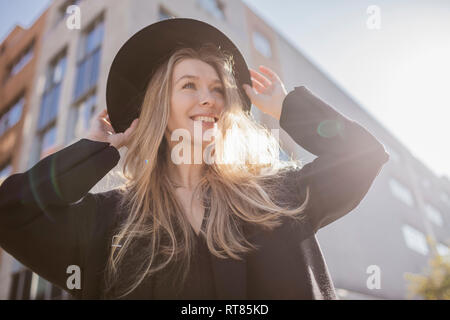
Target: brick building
x=19 y=53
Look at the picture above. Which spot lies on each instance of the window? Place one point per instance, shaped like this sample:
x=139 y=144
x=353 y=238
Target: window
x=392 y=154
x=434 y=215
x=50 y=97
x=415 y=239
x=24 y=59
x=16 y=112
x=21 y=62
x=20 y=285
x=89 y=64
x=80 y=117
x=261 y=44
x=445 y=198
x=27 y=285
x=47 y=141
x=214 y=7
x=442 y=249
x=5 y=172
x=12 y=116
x=401 y=192
x=41 y=289
x=164 y=14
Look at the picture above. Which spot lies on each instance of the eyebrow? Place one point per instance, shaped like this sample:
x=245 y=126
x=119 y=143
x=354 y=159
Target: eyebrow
x=195 y=77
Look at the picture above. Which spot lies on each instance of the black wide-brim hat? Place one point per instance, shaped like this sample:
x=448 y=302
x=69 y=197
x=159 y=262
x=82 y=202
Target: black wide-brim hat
x=138 y=59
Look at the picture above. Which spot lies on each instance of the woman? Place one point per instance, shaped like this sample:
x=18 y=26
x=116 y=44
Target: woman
x=241 y=226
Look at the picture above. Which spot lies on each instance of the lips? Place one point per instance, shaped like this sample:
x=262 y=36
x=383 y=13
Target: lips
x=205 y=118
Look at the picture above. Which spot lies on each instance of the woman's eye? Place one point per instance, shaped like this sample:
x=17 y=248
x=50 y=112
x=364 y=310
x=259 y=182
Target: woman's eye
x=218 y=88
x=187 y=84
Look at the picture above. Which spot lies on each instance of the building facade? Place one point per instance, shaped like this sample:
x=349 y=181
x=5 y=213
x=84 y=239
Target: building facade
x=19 y=54
x=386 y=230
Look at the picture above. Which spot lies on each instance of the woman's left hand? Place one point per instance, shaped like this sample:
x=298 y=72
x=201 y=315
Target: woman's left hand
x=267 y=93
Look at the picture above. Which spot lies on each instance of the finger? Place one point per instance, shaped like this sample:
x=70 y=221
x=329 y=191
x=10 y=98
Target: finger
x=131 y=128
x=105 y=124
x=105 y=119
x=250 y=91
x=263 y=80
x=100 y=114
x=134 y=123
x=258 y=86
x=270 y=73
x=105 y=113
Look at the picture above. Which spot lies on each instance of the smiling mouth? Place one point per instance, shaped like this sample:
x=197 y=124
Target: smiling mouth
x=205 y=119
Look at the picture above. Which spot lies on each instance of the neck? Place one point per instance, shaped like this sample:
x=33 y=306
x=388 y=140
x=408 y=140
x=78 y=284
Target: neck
x=186 y=175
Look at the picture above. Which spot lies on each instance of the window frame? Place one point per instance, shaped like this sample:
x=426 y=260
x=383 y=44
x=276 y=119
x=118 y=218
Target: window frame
x=164 y=13
x=256 y=35
x=19 y=60
x=401 y=184
x=75 y=113
x=82 y=89
x=7 y=113
x=6 y=173
x=408 y=229
x=20 y=285
x=215 y=8
x=434 y=214
x=42 y=133
x=48 y=112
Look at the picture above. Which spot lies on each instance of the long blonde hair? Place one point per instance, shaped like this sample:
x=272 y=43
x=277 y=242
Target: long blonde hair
x=155 y=233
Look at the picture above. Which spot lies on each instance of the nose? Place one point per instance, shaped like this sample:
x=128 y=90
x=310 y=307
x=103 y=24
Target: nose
x=207 y=99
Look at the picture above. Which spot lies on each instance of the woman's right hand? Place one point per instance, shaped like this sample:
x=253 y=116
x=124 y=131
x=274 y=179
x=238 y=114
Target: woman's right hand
x=102 y=130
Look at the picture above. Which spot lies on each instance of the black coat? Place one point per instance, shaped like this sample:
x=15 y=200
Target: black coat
x=49 y=220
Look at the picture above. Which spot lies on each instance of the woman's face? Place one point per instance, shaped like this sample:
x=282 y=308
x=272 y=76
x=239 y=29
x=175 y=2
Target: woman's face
x=196 y=102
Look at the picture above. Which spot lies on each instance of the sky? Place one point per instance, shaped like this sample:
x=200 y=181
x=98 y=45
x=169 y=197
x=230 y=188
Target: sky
x=399 y=73
x=22 y=12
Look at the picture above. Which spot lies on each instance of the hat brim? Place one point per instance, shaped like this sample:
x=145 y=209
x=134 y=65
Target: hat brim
x=137 y=60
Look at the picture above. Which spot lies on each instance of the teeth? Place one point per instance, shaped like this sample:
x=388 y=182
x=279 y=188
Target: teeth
x=202 y=118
